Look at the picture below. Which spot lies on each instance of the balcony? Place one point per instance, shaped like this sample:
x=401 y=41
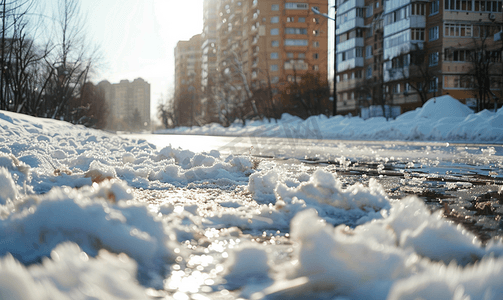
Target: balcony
x=411 y=22
x=348 y=84
x=350 y=64
x=402 y=48
x=392 y=5
x=350 y=24
x=351 y=43
x=348 y=5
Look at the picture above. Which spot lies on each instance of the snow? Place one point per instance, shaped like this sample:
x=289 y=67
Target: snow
x=440 y=119
x=85 y=214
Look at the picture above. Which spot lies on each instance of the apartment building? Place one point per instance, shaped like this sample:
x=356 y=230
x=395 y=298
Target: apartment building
x=188 y=62
x=129 y=104
x=276 y=41
x=250 y=44
x=403 y=52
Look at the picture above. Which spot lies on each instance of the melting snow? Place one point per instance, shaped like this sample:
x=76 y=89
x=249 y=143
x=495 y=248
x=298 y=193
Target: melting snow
x=88 y=215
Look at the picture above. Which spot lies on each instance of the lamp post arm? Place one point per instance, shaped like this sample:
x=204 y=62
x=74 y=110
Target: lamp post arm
x=314 y=10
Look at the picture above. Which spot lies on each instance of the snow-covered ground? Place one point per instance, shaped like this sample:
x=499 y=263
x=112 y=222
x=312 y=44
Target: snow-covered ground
x=440 y=119
x=86 y=214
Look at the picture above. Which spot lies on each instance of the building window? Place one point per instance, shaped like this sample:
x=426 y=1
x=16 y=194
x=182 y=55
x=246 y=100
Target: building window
x=275 y=7
x=433 y=59
x=301 y=55
x=275 y=79
x=316 y=20
x=316 y=8
x=369 y=71
x=417 y=34
x=368 y=51
x=477 y=5
x=316 y=55
x=418 y=9
x=275 y=43
x=274 y=55
x=316 y=44
x=433 y=33
x=274 y=20
x=275 y=31
x=290 y=19
x=292 y=42
x=396 y=88
x=298 y=64
x=290 y=5
x=369 y=11
x=434 y=7
x=295 y=30
x=433 y=85
x=274 y=67
x=316 y=68
x=458 y=82
x=461 y=30
x=316 y=32
x=289 y=54
x=301 y=20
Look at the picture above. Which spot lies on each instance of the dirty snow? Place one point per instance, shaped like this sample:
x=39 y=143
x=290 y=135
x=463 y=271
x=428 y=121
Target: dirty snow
x=86 y=214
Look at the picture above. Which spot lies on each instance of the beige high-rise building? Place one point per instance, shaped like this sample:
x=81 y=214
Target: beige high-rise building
x=129 y=104
x=251 y=45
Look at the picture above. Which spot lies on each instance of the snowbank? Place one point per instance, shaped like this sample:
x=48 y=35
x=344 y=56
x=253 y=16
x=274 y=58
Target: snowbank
x=440 y=119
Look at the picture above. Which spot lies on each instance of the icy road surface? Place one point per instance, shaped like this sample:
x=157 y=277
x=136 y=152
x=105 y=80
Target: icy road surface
x=462 y=179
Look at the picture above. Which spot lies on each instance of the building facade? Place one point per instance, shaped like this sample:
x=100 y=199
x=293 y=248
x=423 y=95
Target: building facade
x=129 y=104
x=403 y=52
x=249 y=45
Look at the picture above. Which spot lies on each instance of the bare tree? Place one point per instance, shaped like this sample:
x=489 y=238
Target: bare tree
x=72 y=59
x=485 y=70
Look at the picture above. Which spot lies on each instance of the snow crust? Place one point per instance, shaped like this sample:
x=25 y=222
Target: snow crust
x=87 y=215
x=440 y=119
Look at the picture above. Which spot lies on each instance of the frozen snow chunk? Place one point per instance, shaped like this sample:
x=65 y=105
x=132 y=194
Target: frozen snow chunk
x=58 y=154
x=100 y=172
x=10 y=162
x=334 y=262
x=113 y=190
x=182 y=157
x=263 y=183
x=479 y=281
x=202 y=160
x=128 y=158
x=325 y=188
x=71 y=272
x=8 y=190
x=246 y=265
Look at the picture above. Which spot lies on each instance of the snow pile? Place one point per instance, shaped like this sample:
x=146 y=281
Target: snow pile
x=88 y=216
x=408 y=254
x=440 y=119
x=71 y=274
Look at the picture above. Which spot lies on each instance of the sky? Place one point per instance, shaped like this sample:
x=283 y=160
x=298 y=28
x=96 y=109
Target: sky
x=137 y=38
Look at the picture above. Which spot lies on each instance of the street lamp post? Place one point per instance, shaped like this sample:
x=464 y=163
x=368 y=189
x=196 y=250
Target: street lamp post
x=334 y=96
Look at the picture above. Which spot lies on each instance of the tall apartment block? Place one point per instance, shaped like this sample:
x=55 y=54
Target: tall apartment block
x=404 y=51
x=127 y=101
x=249 y=44
x=271 y=42
x=188 y=61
